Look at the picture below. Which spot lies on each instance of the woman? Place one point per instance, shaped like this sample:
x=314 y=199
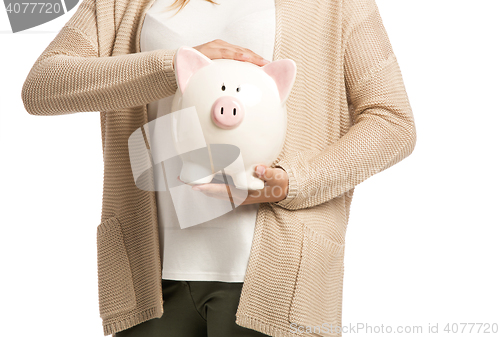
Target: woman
x=348 y=118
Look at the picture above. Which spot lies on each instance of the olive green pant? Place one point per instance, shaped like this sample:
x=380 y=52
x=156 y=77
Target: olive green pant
x=195 y=309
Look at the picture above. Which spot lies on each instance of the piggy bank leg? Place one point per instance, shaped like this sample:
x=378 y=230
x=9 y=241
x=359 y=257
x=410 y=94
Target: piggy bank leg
x=194 y=174
x=243 y=178
x=246 y=181
x=254 y=183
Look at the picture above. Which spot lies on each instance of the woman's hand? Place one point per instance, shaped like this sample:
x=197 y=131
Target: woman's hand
x=219 y=49
x=275 y=188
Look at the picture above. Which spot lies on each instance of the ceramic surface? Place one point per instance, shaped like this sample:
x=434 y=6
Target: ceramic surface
x=229 y=116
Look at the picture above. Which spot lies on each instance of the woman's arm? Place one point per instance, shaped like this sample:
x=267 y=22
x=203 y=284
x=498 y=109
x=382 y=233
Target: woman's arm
x=383 y=132
x=70 y=76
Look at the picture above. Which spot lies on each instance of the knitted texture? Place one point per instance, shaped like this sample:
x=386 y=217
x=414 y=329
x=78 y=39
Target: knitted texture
x=349 y=117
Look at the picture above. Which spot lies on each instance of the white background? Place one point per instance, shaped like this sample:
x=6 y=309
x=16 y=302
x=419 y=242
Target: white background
x=423 y=237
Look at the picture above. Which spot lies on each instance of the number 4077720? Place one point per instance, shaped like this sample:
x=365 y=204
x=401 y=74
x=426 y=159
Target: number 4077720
x=471 y=328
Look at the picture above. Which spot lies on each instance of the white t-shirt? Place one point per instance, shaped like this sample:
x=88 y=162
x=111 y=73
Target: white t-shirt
x=218 y=249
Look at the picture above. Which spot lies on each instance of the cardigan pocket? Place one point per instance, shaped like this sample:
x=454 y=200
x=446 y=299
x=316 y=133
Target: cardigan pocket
x=317 y=296
x=116 y=288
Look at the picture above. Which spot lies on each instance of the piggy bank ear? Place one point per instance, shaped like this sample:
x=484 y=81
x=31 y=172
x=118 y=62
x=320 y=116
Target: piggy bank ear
x=283 y=73
x=187 y=62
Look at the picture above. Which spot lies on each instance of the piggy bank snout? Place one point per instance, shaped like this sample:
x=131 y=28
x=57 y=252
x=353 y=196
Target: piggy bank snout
x=227 y=112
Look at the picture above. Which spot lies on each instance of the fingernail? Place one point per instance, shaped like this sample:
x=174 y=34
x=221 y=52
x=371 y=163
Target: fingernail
x=196 y=188
x=266 y=61
x=260 y=170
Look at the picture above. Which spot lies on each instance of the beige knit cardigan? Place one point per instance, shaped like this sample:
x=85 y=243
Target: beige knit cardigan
x=349 y=117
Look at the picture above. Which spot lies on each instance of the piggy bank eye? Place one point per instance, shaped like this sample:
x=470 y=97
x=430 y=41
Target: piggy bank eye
x=223 y=87
x=238 y=89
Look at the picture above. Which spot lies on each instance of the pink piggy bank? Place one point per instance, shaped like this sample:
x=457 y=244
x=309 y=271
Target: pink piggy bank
x=228 y=116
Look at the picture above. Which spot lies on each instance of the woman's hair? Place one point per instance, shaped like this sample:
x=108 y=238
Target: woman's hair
x=182 y=4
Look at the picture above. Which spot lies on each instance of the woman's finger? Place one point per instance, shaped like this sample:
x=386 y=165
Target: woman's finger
x=233 y=53
x=275 y=178
x=219 y=49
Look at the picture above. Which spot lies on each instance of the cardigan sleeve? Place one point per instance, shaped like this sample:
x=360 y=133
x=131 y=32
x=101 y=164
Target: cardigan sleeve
x=70 y=76
x=383 y=130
